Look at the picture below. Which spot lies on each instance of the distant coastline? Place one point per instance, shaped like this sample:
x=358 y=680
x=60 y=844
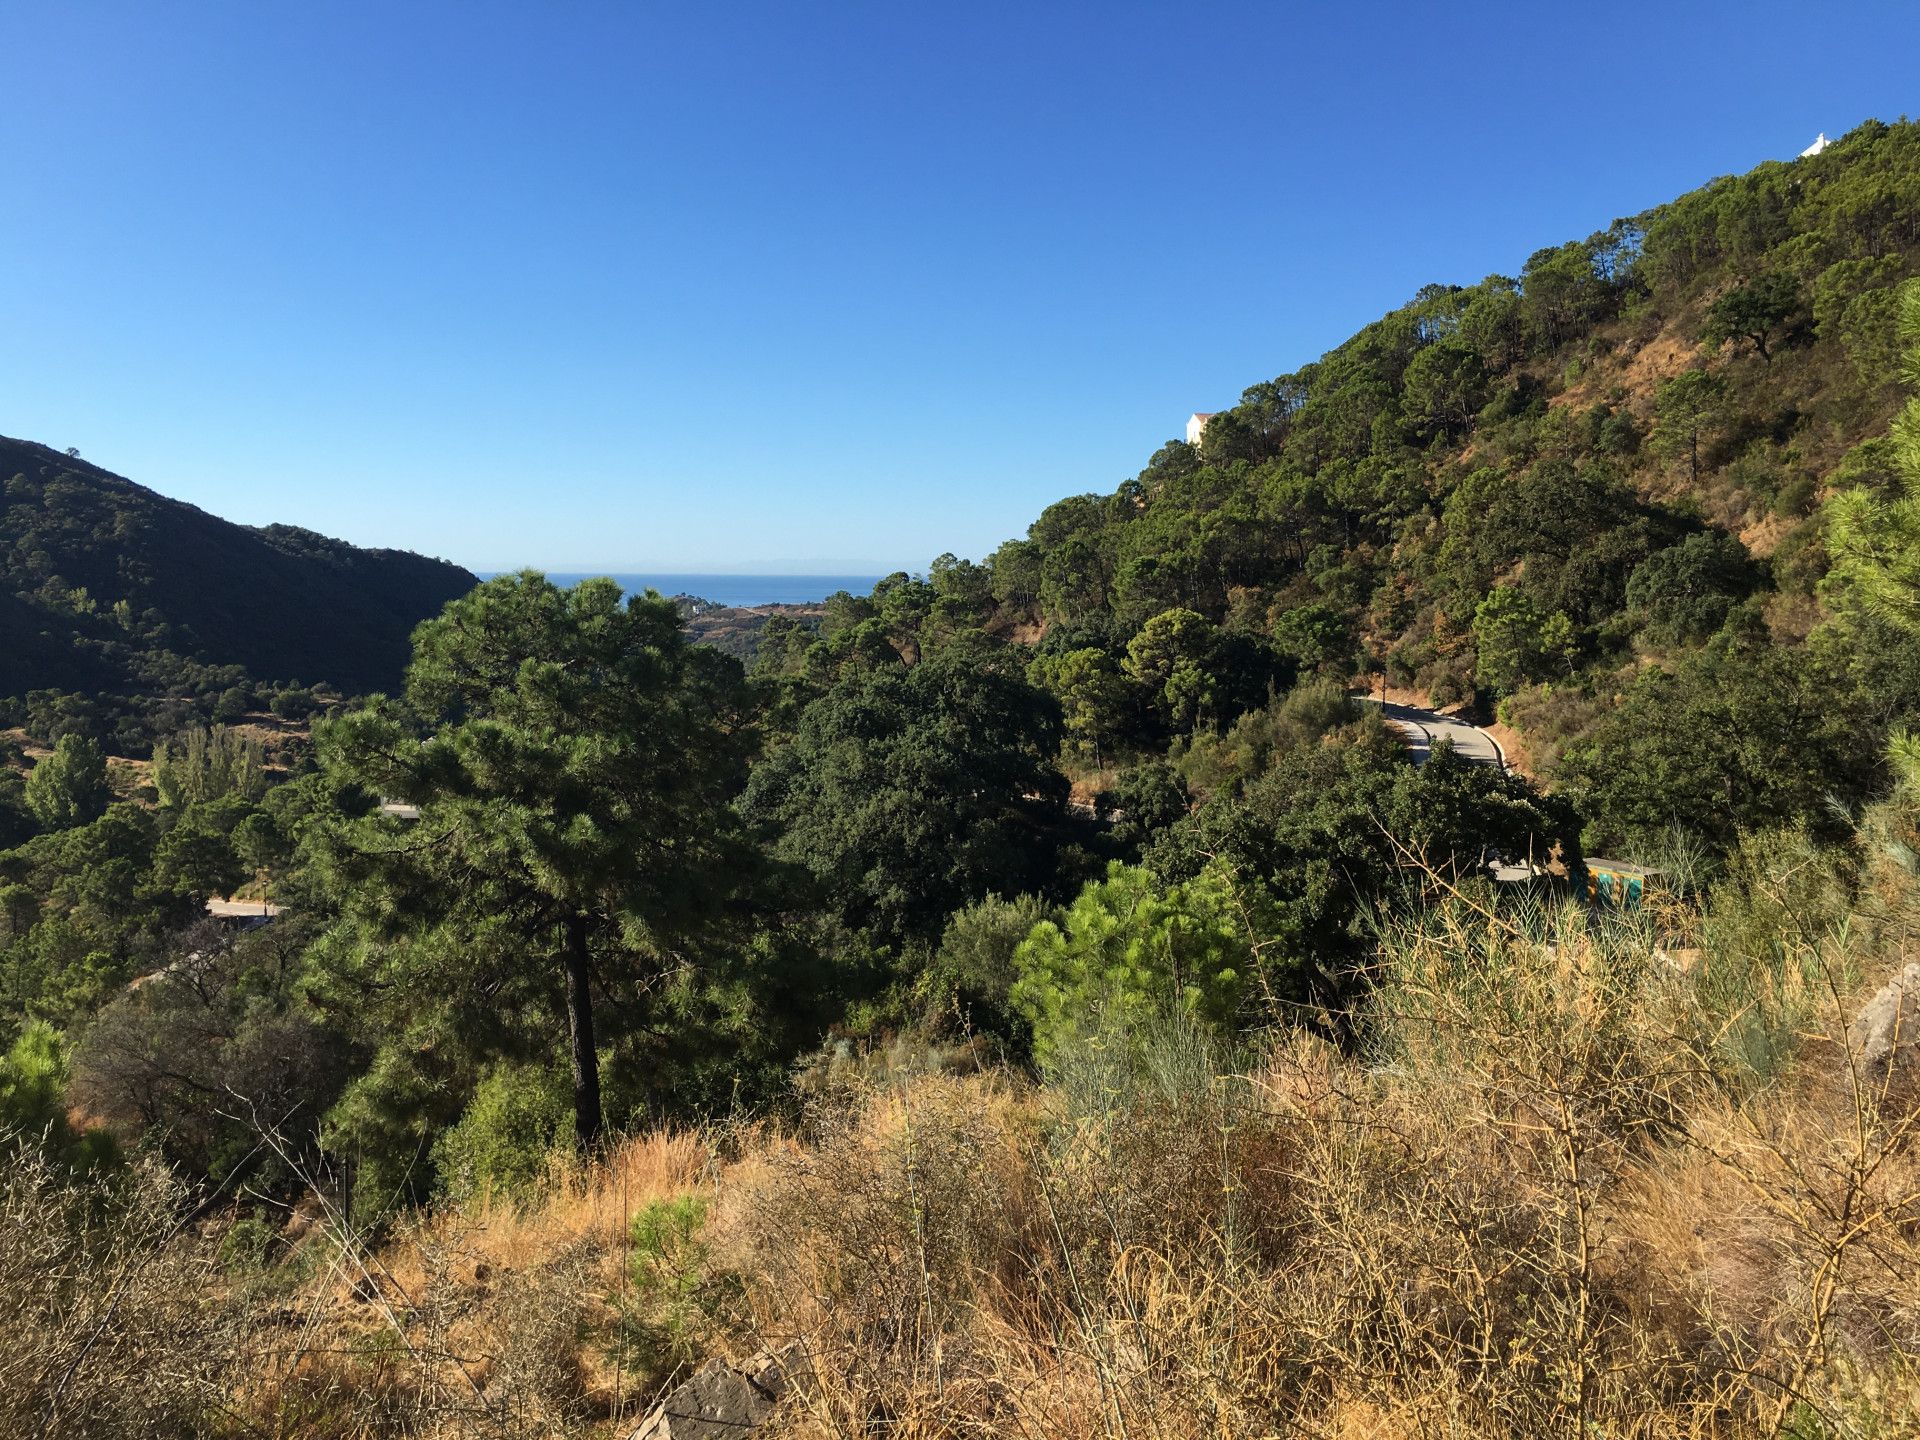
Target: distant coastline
x=738 y=591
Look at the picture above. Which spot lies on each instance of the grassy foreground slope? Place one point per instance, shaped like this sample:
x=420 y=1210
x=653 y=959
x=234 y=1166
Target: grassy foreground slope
x=1575 y=1186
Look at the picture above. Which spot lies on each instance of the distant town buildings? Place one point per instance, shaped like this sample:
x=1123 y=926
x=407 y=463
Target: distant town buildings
x=1196 y=424
x=1820 y=142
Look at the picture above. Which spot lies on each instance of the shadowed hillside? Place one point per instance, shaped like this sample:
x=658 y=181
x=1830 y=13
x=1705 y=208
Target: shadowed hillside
x=109 y=588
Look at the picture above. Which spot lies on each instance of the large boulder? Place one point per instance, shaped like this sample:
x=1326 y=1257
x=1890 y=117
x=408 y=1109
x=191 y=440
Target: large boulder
x=724 y=1400
x=1886 y=1032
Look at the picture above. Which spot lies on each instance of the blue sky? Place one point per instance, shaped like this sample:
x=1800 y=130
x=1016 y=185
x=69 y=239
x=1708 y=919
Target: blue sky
x=790 y=286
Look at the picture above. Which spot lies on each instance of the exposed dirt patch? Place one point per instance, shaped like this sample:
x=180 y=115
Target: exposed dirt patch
x=1636 y=368
x=1661 y=358
x=32 y=752
x=1513 y=745
x=1084 y=788
x=1791 y=618
x=1764 y=536
x=1407 y=695
x=267 y=727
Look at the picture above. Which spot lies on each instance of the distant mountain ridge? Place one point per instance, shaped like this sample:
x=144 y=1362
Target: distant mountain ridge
x=111 y=588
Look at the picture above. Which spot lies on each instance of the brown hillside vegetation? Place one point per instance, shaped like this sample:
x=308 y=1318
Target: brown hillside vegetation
x=1571 y=1186
x=1632 y=367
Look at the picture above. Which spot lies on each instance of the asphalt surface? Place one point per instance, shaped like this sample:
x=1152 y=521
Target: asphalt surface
x=1426 y=728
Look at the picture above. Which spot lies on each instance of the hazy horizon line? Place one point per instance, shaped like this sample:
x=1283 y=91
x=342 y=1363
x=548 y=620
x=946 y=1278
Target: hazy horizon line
x=813 y=571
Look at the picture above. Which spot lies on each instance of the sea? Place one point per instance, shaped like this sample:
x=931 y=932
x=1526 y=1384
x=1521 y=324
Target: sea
x=735 y=590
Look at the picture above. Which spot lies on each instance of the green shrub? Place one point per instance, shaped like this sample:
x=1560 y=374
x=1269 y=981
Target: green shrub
x=1314 y=708
x=1130 y=953
x=246 y=1244
x=972 y=973
x=1685 y=592
x=676 y=1294
x=33 y=1105
x=518 y=1115
x=69 y=787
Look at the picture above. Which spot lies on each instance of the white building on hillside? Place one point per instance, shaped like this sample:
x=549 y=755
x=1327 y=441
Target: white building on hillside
x=1820 y=142
x=1196 y=423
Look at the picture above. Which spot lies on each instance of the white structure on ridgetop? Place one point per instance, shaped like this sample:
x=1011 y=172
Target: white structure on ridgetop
x=1196 y=423
x=1820 y=142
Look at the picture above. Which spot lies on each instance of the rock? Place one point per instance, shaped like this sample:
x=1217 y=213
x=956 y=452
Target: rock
x=723 y=1400
x=783 y=1368
x=1885 y=1032
x=718 y=1401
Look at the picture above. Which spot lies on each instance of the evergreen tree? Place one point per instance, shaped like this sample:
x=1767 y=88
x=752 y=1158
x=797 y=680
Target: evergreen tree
x=1753 y=311
x=69 y=787
x=1131 y=953
x=1874 y=536
x=572 y=760
x=1684 y=409
x=908 y=792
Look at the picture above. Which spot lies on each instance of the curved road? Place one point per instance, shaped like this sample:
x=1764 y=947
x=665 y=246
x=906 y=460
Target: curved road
x=1424 y=727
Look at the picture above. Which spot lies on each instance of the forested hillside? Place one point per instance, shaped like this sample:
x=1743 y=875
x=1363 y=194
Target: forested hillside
x=148 y=610
x=1037 y=998
x=1592 y=495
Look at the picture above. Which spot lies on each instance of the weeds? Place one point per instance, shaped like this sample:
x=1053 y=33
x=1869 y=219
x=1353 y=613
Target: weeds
x=108 y=1321
x=1628 y=1179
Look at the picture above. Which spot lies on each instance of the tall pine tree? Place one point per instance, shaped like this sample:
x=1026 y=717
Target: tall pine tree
x=571 y=761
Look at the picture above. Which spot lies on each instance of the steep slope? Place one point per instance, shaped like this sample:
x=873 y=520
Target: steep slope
x=1592 y=495
x=108 y=587
x=1591 y=499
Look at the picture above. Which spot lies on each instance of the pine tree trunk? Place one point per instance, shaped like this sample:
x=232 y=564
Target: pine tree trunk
x=586 y=1059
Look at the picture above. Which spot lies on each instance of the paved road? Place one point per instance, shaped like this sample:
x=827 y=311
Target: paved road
x=1425 y=727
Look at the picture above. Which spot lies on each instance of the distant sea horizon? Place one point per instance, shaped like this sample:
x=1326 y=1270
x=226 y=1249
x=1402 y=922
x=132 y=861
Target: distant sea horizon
x=732 y=590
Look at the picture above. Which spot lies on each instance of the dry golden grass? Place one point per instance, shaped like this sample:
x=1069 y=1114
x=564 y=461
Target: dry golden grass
x=580 y=1203
x=1547 y=1203
x=474 y=1321
x=1566 y=1188
x=104 y=1330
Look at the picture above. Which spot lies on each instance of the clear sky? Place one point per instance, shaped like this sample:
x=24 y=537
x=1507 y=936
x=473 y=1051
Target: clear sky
x=610 y=284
